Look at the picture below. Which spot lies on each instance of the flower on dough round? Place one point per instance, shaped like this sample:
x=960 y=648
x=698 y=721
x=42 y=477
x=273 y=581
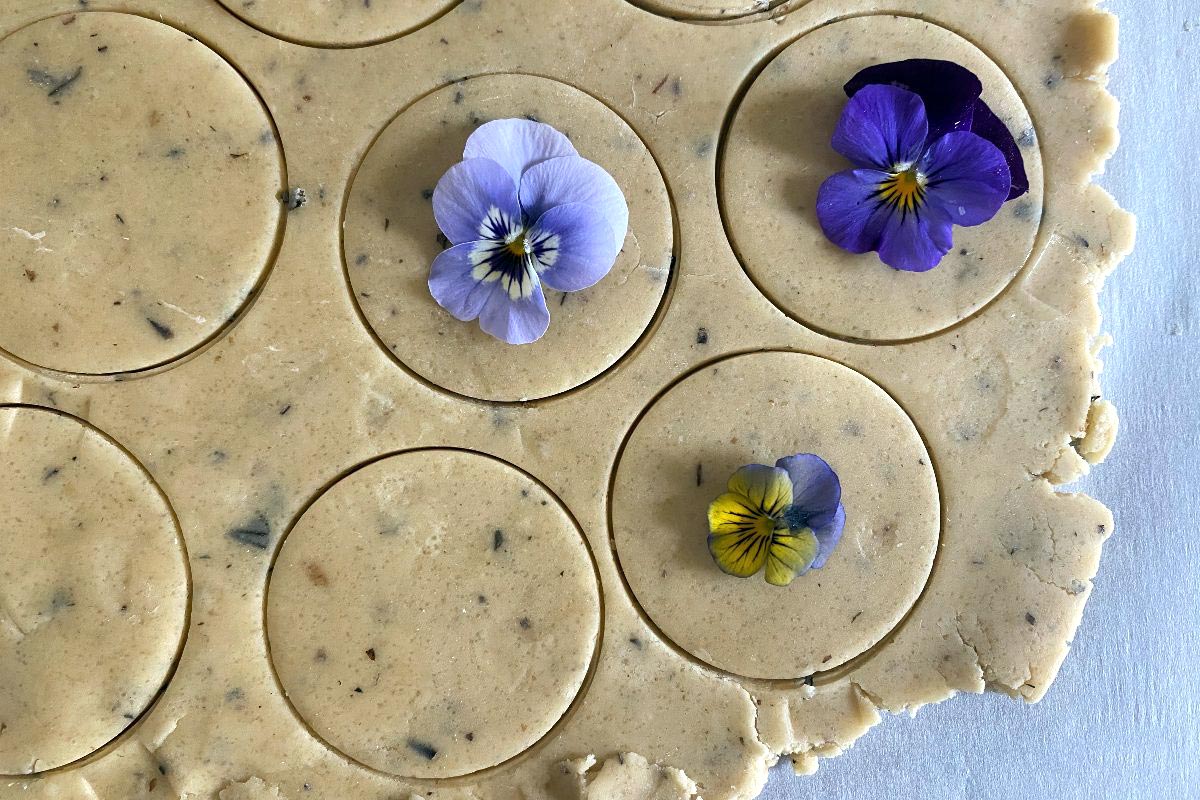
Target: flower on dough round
x=928 y=154
x=788 y=518
x=522 y=209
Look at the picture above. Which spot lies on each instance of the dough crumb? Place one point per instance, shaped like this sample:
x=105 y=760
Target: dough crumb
x=625 y=776
x=1100 y=432
x=252 y=789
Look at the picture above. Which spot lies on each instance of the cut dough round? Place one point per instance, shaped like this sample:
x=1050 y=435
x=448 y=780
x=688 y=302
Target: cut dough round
x=128 y=247
x=433 y=614
x=756 y=409
x=706 y=9
x=338 y=23
x=93 y=590
x=777 y=154
x=391 y=239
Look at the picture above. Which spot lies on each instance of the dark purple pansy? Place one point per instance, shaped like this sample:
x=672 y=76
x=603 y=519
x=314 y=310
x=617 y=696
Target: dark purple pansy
x=951 y=94
x=522 y=209
x=915 y=131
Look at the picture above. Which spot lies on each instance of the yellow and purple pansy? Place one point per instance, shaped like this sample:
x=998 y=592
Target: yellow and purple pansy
x=522 y=209
x=928 y=154
x=788 y=518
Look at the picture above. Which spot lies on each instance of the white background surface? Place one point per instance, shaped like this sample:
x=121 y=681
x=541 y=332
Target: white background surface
x=1123 y=719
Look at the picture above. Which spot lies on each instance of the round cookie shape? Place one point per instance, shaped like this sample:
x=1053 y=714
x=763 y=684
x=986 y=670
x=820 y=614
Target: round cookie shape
x=93 y=590
x=391 y=239
x=706 y=9
x=141 y=186
x=337 y=23
x=756 y=409
x=777 y=152
x=433 y=614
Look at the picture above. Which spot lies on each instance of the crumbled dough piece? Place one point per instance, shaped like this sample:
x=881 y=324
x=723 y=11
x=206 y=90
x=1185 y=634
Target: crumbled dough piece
x=627 y=776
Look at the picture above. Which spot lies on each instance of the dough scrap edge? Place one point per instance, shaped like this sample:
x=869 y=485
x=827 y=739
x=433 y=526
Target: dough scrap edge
x=1063 y=283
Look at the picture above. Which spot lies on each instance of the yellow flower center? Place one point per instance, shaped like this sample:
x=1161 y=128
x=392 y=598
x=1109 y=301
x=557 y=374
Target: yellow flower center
x=766 y=525
x=518 y=246
x=903 y=189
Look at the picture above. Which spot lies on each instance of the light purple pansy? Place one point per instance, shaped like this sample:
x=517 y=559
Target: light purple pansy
x=522 y=209
x=912 y=181
x=816 y=502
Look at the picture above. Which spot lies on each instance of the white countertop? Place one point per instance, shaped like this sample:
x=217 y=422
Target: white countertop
x=1123 y=719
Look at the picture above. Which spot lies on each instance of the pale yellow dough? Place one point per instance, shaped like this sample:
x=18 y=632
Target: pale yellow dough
x=678 y=459
x=323 y=461
x=338 y=23
x=398 y=614
x=140 y=183
x=777 y=154
x=391 y=238
x=93 y=590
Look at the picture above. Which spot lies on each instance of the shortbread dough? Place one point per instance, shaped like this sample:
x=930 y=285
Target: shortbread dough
x=140 y=186
x=93 y=590
x=322 y=464
x=338 y=23
x=707 y=9
x=778 y=154
x=391 y=239
x=791 y=403
x=398 y=614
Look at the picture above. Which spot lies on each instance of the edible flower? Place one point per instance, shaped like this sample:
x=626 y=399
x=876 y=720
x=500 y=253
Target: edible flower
x=788 y=517
x=928 y=154
x=522 y=209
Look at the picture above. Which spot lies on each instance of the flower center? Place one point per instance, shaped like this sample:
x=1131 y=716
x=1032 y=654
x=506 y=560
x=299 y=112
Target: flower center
x=516 y=244
x=903 y=189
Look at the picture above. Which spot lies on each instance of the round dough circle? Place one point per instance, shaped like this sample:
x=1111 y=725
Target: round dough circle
x=391 y=239
x=424 y=636
x=131 y=244
x=755 y=409
x=706 y=9
x=777 y=154
x=93 y=590
x=338 y=23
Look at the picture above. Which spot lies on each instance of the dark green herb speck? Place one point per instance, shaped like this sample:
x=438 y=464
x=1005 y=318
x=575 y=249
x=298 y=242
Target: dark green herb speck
x=164 y=331
x=256 y=533
x=423 y=749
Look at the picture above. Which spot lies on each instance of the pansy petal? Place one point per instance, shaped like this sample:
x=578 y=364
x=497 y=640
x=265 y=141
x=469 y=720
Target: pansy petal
x=476 y=199
x=735 y=513
x=517 y=144
x=849 y=211
x=828 y=535
x=740 y=554
x=967 y=176
x=454 y=287
x=815 y=486
x=572 y=179
x=515 y=320
x=948 y=90
x=992 y=128
x=882 y=127
x=768 y=489
x=790 y=554
x=916 y=242
x=573 y=246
